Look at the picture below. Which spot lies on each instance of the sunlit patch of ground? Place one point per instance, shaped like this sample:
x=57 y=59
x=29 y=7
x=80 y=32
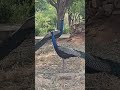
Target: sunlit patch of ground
x=50 y=74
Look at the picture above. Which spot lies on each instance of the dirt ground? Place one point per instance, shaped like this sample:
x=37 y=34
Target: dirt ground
x=49 y=71
x=103 y=40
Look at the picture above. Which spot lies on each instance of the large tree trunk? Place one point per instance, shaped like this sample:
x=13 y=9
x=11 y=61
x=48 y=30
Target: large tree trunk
x=58 y=21
x=60 y=6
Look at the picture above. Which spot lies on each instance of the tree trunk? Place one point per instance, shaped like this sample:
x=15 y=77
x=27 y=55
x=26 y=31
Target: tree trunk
x=60 y=6
x=58 y=21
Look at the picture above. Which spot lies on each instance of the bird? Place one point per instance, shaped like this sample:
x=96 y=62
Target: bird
x=17 y=37
x=57 y=34
x=65 y=52
x=93 y=64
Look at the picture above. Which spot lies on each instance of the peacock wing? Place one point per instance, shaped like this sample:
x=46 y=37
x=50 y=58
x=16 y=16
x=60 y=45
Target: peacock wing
x=96 y=64
x=69 y=51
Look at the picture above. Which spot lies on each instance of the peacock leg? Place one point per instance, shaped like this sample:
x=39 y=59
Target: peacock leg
x=63 y=64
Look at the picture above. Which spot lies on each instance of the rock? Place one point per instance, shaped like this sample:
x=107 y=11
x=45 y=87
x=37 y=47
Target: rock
x=104 y=2
x=116 y=12
x=117 y=3
x=108 y=8
x=101 y=8
x=95 y=3
x=110 y=1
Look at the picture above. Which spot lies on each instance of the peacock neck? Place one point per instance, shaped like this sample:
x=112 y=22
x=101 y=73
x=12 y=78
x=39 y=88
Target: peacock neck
x=54 y=41
x=61 y=32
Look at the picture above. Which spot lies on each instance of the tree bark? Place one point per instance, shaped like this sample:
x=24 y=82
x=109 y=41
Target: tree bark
x=61 y=6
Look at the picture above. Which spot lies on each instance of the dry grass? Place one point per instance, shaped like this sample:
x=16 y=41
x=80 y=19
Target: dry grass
x=49 y=71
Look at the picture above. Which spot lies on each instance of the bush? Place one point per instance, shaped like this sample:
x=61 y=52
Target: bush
x=15 y=12
x=66 y=29
x=20 y=13
x=45 y=21
x=5 y=13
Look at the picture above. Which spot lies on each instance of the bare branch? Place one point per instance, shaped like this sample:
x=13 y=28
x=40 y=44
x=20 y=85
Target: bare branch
x=53 y=3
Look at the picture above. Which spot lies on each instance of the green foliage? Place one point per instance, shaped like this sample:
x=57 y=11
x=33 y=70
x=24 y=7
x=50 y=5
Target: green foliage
x=15 y=11
x=46 y=18
x=45 y=21
x=66 y=30
x=40 y=5
x=5 y=12
x=77 y=6
x=20 y=13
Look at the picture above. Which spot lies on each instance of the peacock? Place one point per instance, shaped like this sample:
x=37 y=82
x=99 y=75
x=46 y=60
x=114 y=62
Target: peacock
x=93 y=64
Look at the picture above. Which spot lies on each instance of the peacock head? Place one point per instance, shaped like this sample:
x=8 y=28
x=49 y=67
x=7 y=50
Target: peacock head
x=52 y=33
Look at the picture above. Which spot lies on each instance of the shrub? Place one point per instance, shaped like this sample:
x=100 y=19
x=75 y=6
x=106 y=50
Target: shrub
x=5 y=13
x=15 y=12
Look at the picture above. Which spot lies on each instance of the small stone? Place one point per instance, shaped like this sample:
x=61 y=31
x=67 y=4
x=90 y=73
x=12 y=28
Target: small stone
x=108 y=8
x=117 y=3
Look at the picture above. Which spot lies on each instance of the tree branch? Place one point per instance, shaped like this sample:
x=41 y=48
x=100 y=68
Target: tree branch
x=53 y=3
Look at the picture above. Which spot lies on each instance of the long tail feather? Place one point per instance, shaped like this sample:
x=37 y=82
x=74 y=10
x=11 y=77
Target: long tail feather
x=96 y=64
